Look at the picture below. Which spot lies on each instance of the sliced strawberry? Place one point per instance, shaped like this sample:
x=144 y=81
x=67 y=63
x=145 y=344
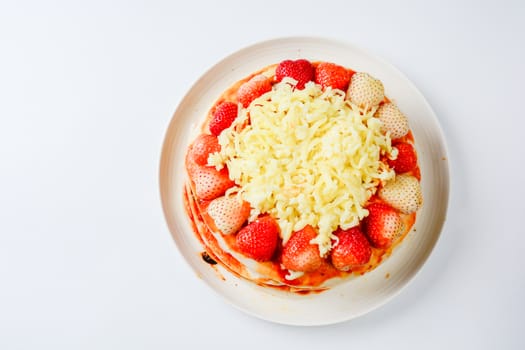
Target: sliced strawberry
x=299 y=254
x=201 y=148
x=365 y=90
x=300 y=70
x=252 y=89
x=392 y=120
x=210 y=183
x=383 y=225
x=353 y=249
x=403 y=193
x=229 y=213
x=223 y=116
x=331 y=74
x=406 y=158
x=258 y=239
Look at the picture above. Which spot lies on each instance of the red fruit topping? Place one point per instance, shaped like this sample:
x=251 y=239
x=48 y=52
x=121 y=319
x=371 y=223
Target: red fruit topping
x=406 y=158
x=210 y=183
x=299 y=254
x=223 y=116
x=201 y=148
x=331 y=74
x=352 y=250
x=383 y=225
x=300 y=70
x=258 y=239
x=252 y=89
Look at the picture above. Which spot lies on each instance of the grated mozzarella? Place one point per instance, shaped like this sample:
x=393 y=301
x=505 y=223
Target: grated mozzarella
x=306 y=157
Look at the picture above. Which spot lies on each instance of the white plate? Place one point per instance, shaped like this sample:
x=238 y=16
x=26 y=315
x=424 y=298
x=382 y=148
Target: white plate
x=357 y=296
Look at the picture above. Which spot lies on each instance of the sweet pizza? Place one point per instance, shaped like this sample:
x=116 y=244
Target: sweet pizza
x=304 y=174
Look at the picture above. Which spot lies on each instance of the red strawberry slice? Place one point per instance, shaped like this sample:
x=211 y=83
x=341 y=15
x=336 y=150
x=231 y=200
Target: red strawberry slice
x=229 y=213
x=300 y=70
x=406 y=158
x=201 y=148
x=258 y=239
x=383 y=225
x=331 y=74
x=210 y=183
x=252 y=89
x=353 y=249
x=299 y=254
x=223 y=116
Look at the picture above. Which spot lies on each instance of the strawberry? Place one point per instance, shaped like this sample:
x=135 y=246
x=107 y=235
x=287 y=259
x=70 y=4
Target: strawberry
x=299 y=254
x=403 y=193
x=331 y=74
x=406 y=158
x=223 y=116
x=252 y=89
x=258 y=239
x=392 y=120
x=383 y=225
x=210 y=183
x=229 y=213
x=300 y=70
x=365 y=91
x=352 y=249
x=201 y=148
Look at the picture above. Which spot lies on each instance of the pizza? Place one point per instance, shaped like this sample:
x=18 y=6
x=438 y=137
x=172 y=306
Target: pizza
x=303 y=175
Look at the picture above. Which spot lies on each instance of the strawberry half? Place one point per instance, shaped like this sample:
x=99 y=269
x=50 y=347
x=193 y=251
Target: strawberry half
x=258 y=239
x=252 y=89
x=406 y=158
x=353 y=249
x=392 y=120
x=210 y=183
x=201 y=148
x=229 y=213
x=403 y=193
x=300 y=70
x=299 y=254
x=223 y=116
x=331 y=74
x=383 y=225
x=365 y=90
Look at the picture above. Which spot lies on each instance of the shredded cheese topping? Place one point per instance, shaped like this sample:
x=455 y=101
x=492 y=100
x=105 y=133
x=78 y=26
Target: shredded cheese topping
x=306 y=157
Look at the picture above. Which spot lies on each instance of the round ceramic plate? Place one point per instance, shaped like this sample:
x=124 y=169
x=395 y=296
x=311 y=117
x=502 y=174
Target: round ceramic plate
x=359 y=295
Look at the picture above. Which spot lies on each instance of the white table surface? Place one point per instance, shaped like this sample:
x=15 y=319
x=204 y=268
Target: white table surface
x=86 y=93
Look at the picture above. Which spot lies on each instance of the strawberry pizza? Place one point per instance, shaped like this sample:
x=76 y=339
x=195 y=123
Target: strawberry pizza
x=304 y=174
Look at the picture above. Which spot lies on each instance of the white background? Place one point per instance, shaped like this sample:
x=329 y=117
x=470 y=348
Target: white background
x=86 y=93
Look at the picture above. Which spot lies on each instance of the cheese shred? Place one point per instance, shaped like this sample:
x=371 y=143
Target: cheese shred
x=306 y=157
